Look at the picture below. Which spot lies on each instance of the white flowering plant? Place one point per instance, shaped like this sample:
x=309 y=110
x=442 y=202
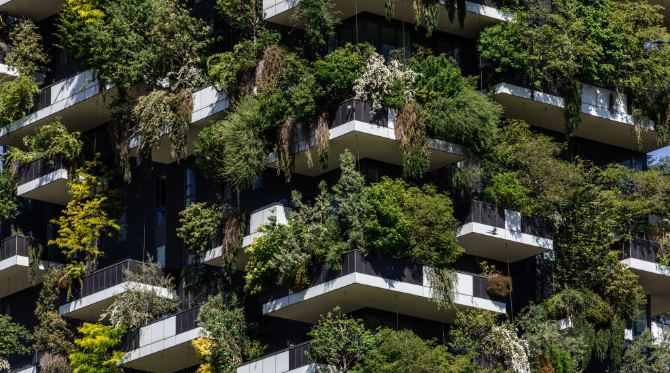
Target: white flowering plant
x=386 y=84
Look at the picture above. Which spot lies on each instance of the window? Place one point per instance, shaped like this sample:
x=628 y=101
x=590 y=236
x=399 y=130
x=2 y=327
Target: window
x=120 y=216
x=450 y=49
x=189 y=186
x=226 y=194
x=631 y=162
x=160 y=201
x=372 y=175
x=160 y=255
x=5 y=309
x=374 y=323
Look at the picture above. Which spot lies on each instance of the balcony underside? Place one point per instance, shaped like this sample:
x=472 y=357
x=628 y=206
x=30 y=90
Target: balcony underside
x=597 y=124
x=50 y=188
x=356 y=291
x=14 y=274
x=81 y=112
x=478 y=16
x=655 y=279
x=500 y=244
x=167 y=356
x=35 y=10
x=370 y=141
x=90 y=307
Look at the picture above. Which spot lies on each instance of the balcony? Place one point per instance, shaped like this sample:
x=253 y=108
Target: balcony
x=499 y=234
x=6 y=72
x=602 y=119
x=163 y=346
x=99 y=290
x=14 y=263
x=44 y=180
x=353 y=127
x=290 y=360
x=256 y=218
x=31 y=9
x=75 y=100
x=208 y=104
x=387 y=284
x=640 y=257
x=480 y=14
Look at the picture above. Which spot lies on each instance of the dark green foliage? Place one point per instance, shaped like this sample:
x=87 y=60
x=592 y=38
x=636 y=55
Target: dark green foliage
x=403 y=351
x=646 y=354
x=416 y=223
x=454 y=110
x=339 y=340
x=232 y=149
x=8 y=199
x=14 y=338
x=319 y=21
x=223 y=320
x=560 y=360
x=52 y=334
x=337 y=71
x=598 y=42
x=17 y=97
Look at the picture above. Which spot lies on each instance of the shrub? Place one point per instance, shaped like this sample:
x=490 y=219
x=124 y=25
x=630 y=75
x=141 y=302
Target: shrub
x=498 y=285
x=17 y=97
x=199 y=223
x=148 y=296
x=51 y=141
x=96 y=349
x=53 y=363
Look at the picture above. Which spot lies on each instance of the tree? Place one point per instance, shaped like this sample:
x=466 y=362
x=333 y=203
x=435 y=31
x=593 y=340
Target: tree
x=148 y=296
x=339 y=340
x=27 y=55
x=95 y=351
x=225 y=343
x=403 y=351
x=318 y=20
x=52 y=334
x=8 y=199
x=646 y=353
x=85 y=220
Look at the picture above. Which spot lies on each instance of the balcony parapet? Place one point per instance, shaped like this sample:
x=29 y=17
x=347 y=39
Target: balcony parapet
x=383 y=283
x=604 y=115
x=44 y=180
x=163 y=346
x=255 y=220
x=500 y=234
x=290 y=360
x=353 y=126
x=99 y=290
x=640 y=256
x=14 y=264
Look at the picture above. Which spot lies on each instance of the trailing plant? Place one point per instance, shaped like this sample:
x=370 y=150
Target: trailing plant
x=85 y=220
x=148 y=296
x=35 y=250
x=233 y=149
x=95 y=351
x=52 y=334
x=225 y=343
x=52 y=141
x=159 y=113
x=339 y=340
x=27 y=55
x=410 y=130
x=427 y=12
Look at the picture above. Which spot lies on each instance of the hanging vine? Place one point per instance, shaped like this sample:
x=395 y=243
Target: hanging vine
x=427 y=12
x=411 y=133
x=572 y=94
x=322 y=138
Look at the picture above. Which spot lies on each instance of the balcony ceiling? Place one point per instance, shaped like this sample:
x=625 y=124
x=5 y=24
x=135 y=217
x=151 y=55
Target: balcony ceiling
x=35 y=10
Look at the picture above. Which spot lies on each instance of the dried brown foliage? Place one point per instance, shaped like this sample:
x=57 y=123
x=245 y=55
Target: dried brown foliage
x=322 y=136
x=410 y=131
x=499 y=285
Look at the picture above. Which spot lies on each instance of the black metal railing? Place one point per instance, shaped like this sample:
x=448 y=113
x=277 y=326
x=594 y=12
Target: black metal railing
x=387 y=268
x=15 y=245
x=485 y=213
x=106 y=278
x=359 y=110
x=38 y=168
x=297 y=355
x=184 y=321
x=641 y=249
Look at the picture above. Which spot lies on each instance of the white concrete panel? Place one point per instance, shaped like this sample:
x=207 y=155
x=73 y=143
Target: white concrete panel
x=464 y=284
